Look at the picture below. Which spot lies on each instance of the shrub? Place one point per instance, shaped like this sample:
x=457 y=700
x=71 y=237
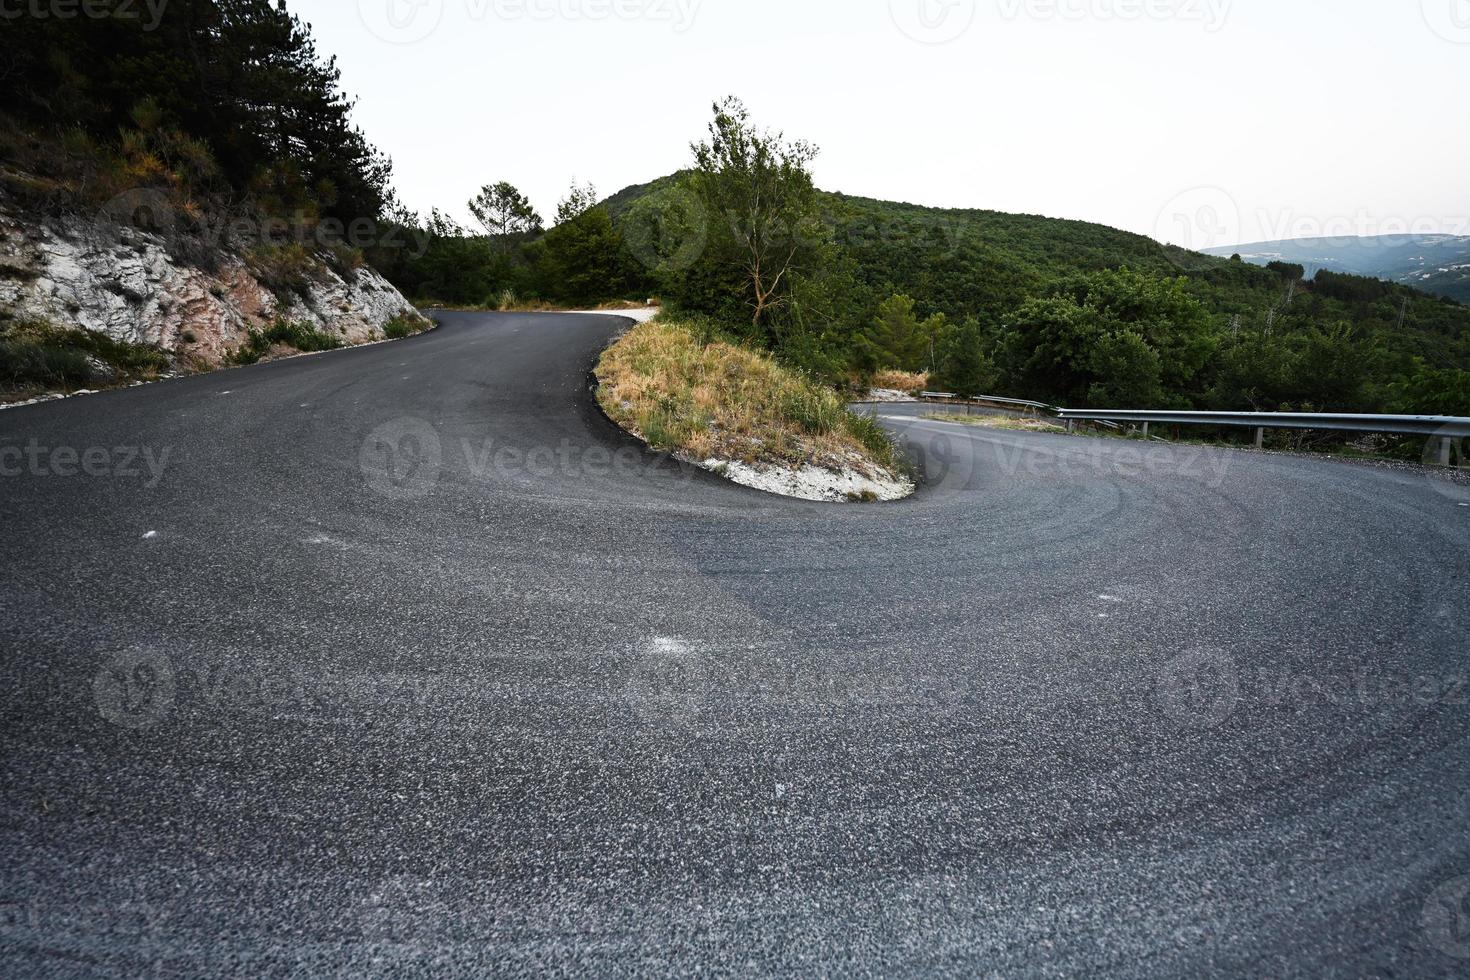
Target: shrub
x=286 y=270
x=34 y=352
x=347 y=260
x=404 y=325
x=718 y=400
x=26 y=363
x=302 y=336
x=866 y=430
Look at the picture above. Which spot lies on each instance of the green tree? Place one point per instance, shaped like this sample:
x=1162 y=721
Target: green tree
x=583 y=260
x=1127 y=372
x=757 y=189
x=505 y=213
x=1048 y=348
x=964 y=366
x=901 y=339
x=580 y=199
x=1063 y=347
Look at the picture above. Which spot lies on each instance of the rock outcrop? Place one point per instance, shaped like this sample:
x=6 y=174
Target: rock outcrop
x=132 y=286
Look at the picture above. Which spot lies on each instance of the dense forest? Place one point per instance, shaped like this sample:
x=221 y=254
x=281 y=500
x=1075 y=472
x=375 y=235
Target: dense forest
x=226 y=108
x=1063 y=311
x=216 y=121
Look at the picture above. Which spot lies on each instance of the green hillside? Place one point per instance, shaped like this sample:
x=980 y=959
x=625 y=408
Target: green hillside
x=1072 y=311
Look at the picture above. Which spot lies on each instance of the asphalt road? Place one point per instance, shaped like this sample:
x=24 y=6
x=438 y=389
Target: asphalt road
x=402 y=660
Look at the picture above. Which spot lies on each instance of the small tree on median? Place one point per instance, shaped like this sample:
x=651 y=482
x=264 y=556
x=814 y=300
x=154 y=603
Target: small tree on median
x=762 y=187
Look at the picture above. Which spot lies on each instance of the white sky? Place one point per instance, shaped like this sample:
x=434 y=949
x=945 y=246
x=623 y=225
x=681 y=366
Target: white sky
x=1205 y=122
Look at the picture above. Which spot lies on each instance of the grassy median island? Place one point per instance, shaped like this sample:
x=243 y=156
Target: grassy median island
x=681 y=388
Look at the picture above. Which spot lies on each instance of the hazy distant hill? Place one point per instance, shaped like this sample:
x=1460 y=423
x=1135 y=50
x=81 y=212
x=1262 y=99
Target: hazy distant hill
x=1434 y=263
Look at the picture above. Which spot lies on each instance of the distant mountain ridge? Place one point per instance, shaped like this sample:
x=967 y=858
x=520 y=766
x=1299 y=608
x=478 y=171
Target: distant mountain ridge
x=1438 y=264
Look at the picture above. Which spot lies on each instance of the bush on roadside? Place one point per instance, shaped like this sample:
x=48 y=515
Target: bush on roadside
x=301 y=336
x=717 y=400
x=41 y=354
x=405 y=325
x=286 y=270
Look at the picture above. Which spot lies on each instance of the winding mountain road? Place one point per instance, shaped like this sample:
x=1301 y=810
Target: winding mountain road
x=403 y=660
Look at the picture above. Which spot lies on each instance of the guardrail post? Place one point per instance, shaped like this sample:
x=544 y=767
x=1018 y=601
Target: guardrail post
x=1260 y=438
x=1444 y=450
x=1145 y=431
x=1071 y=426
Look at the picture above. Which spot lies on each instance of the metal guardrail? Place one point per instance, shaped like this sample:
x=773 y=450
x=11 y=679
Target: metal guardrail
x=1447 y=426
x=986 y=400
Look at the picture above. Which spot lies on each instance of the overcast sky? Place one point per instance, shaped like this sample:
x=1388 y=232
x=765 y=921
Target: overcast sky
x=1204 y=122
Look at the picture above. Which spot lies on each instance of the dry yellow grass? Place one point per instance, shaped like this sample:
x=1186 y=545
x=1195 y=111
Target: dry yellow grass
x=997 y=422
x=901 y=380
x=722 y=401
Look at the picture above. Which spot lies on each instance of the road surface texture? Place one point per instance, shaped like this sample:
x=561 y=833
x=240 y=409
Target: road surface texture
x=403 y=660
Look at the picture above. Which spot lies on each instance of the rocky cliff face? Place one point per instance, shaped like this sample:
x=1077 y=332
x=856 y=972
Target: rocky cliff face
x=131 y=286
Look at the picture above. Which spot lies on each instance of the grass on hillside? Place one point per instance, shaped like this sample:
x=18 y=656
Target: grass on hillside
x=406 y=324
x=298 y=336
x=908 y=381
x=671 y=383
x=38 y=355
x=998 y=422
